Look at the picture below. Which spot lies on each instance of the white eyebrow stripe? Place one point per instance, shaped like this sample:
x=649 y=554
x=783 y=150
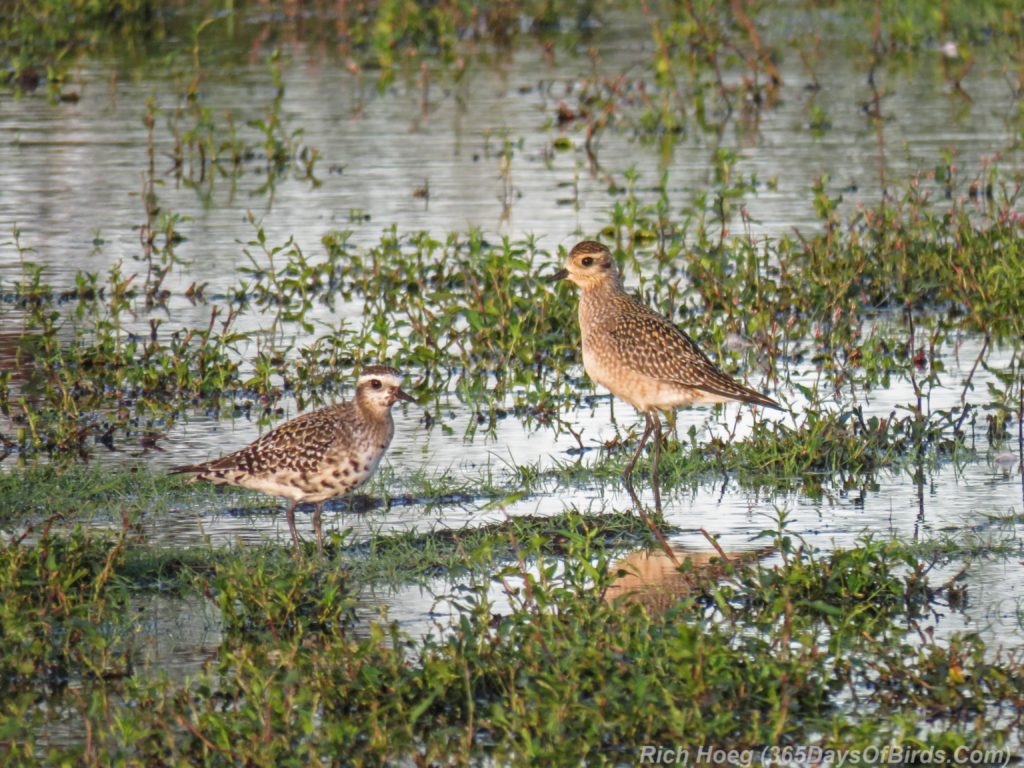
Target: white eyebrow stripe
x=385 y=378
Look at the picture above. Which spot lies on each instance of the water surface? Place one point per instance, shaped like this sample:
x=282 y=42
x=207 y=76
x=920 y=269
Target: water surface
x=481 y=153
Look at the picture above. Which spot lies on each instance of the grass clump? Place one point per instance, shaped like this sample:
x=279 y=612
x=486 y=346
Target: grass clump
x=40 y=40
x=456 y=553
x=285 y=598
x=824 y=447
x=62 y=613
x=818 y=449
x=537 y=663
x=112 y=497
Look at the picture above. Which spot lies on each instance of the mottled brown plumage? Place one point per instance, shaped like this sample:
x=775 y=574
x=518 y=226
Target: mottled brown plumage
x=641 y=356
x=638 y=354
x=319 y=455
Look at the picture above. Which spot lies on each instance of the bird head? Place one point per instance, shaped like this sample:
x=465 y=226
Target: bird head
x=380 y=386
x=589 y=263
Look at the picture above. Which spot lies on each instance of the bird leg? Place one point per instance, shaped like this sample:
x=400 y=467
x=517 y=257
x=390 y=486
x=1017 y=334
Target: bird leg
x=291 y=524
x=626 y=478
x=317 y=510
x=636 y=455
x=655 y=483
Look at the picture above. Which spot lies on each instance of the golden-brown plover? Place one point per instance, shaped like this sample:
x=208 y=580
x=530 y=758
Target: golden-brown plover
x=641 y=356
x=318 y=455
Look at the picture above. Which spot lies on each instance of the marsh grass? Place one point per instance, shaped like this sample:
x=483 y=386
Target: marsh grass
x=532 y=663
x=82 y=493
x=555 y=672
x=905 y=286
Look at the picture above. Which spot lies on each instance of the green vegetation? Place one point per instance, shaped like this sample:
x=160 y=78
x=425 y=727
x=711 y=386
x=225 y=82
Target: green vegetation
x=767 y=655
x=903 y=283
x=530 y=662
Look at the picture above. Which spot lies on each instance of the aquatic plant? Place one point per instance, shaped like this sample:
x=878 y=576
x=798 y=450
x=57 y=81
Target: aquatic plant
x=530 y=658
x=903 y=280
x=554 y=672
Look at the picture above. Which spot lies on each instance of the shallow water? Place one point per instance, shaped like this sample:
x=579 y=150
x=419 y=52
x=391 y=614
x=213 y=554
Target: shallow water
x=74 y=170
x=969 y=499
x=72 y=173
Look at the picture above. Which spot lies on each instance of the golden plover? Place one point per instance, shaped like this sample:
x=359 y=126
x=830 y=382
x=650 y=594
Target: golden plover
x=641 y=356
x=318 y=455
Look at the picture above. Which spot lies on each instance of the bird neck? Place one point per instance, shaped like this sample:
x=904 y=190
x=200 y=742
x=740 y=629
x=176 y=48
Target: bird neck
x=608 y=285
x=372 y=411
x=599 y=294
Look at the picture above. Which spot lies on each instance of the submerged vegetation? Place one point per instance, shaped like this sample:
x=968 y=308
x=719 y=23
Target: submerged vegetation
x=99 y=363
x=890 y=330
x=554 y=670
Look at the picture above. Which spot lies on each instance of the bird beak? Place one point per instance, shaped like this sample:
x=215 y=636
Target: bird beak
x=402 y=395
x=559 y=275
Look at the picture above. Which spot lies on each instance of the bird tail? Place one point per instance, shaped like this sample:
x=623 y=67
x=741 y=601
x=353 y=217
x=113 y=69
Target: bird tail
x=743 y=394
x=756 y=398
x=190 y=469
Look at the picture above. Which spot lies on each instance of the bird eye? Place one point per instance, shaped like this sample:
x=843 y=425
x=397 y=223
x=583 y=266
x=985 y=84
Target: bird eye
x=587 y=261
x=375 y=383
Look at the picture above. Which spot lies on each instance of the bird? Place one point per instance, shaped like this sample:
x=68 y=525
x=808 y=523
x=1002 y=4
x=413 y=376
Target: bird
x=318 y=455
x=642 y=357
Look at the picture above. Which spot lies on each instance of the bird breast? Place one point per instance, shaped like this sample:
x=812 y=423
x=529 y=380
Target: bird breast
x=612 y=366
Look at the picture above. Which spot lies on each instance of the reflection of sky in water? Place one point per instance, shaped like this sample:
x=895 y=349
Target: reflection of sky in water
x=954 y=501
x=73 y=172
x=78 y=166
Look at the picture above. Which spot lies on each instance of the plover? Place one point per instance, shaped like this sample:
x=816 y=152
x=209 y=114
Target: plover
x=319 y=455
x=642 y=357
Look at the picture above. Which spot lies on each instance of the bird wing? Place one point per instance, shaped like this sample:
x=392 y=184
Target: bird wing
x=654 y=346
x=299 y=445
